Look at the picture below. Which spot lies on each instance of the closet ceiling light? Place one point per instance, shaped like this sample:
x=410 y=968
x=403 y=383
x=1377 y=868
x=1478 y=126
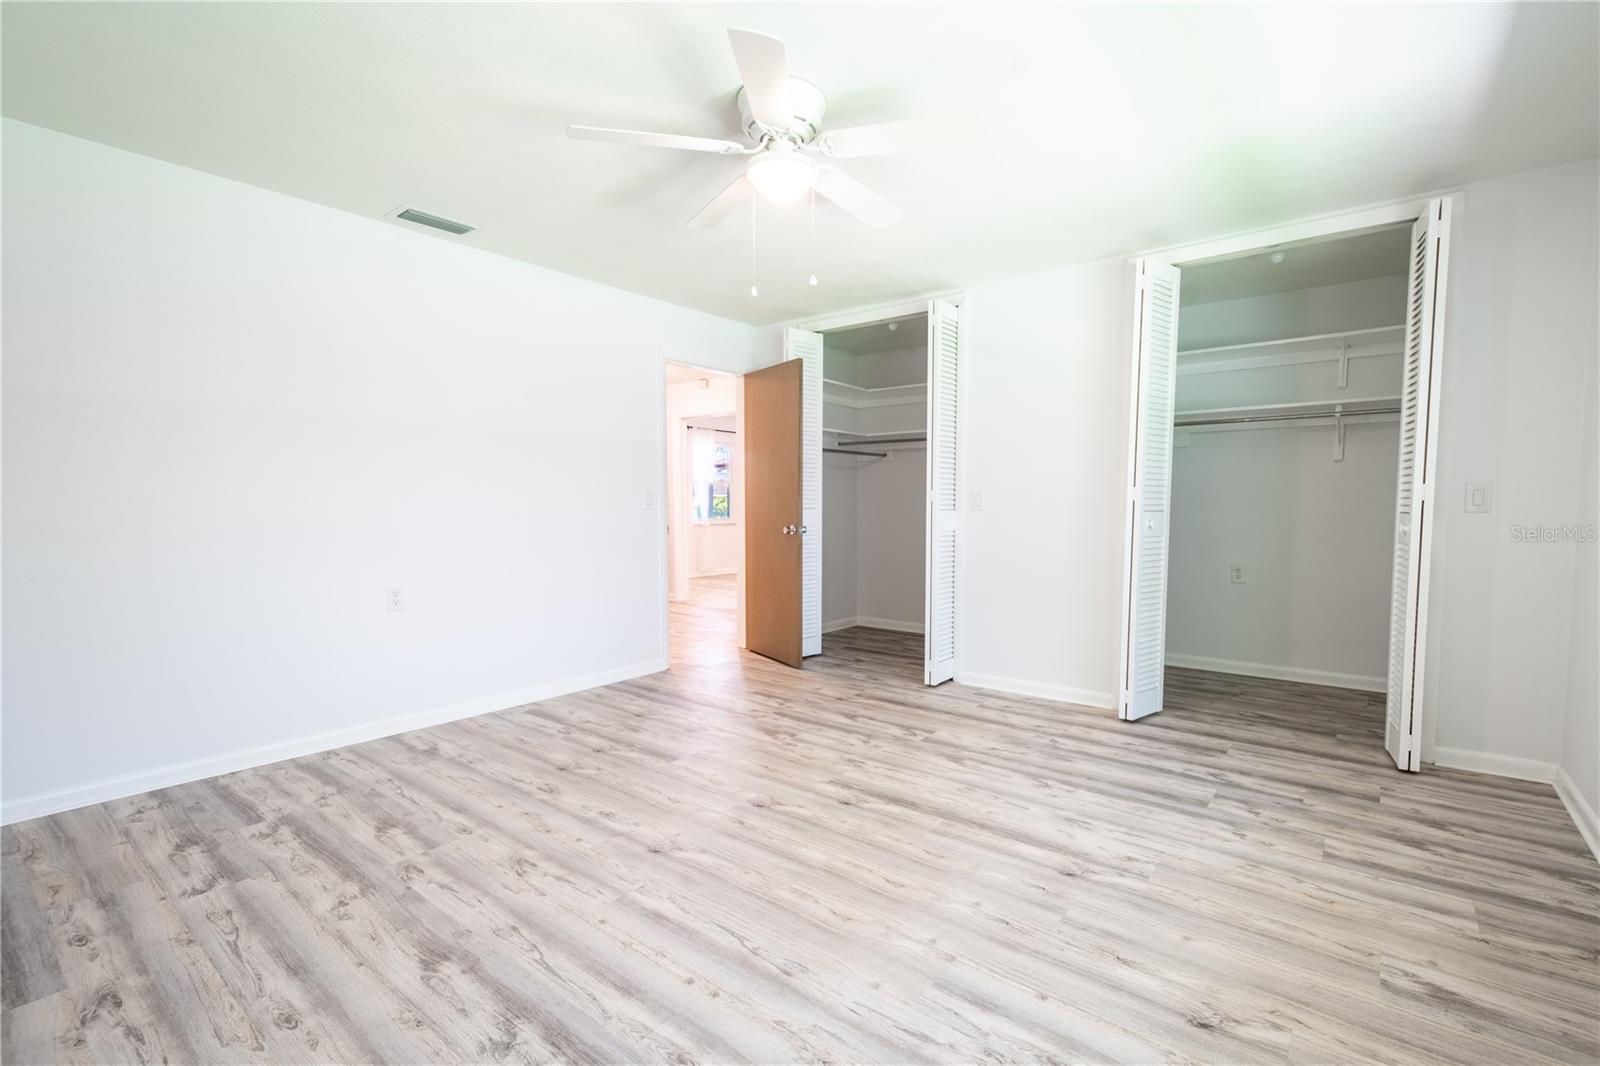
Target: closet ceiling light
x=1276 y=257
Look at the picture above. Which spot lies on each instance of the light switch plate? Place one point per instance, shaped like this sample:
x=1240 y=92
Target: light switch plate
x=1480 y=497
x=977 y=500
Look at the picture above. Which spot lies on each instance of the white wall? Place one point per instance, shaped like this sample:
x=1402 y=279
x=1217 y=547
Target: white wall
x=1310 y=312
x=715 y=548
x=874 y=540
x=1520 y=348
x=231 y=418
x=1315 y=536
x=1043 y=419
x=1580 y=753
x=840 y=536
x=1316 y=539
x=891 y=539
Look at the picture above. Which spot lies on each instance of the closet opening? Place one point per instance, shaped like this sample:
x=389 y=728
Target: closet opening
x=1281 y=468
x=704 y=509
x=874 y=491
x=879 y=424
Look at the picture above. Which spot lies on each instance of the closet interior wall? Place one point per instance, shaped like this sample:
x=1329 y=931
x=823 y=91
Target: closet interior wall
x=874 y=503
x=1282 y=543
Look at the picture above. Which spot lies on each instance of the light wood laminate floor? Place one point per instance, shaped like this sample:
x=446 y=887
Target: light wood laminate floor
x=734 y=862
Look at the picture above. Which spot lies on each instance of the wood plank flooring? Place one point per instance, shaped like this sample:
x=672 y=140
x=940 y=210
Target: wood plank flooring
x=734 y=862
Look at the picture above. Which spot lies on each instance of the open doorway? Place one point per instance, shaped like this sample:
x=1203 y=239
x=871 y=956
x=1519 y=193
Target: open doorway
x=1341 y=374
x=704 y=508
x=874 y=490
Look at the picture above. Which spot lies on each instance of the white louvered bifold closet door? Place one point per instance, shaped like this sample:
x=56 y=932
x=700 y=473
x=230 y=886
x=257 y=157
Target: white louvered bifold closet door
x=944 y=499
x=1144 y=579
x=1419 y=426
x=807 y=347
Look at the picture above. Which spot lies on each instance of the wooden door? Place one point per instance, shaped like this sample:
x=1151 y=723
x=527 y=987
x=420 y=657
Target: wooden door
x=772 y=511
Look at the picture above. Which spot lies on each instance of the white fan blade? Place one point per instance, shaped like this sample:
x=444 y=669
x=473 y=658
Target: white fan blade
x=657 y=140
x=721 y=205
x=881 y=138
x=856 y=199
x=764 y=69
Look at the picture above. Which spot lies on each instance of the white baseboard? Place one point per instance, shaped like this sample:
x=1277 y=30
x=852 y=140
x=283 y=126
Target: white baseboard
x=890 y=624
x=66 y=799
x=1041 y=689
x=1486 y=762
x=1578 y=807
x=873 y=623
x=1361 y=682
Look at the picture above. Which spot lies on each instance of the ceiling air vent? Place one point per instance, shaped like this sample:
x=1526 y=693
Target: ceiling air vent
x=422 y=218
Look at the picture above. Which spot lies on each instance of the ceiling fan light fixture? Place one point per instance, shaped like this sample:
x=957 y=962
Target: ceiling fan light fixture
x=782 y=177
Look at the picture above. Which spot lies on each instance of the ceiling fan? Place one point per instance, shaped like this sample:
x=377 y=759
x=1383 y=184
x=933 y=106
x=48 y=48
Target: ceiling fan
x=782 y=116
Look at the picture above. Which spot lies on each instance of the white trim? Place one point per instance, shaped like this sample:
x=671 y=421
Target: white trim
x=1081 y=697
x=713 y=573
x=873 y=623
x=1583 y=815
x=66 y=799
x=1487 y=762
x=866 y=316
x=1349 y=223
x=1360 y=682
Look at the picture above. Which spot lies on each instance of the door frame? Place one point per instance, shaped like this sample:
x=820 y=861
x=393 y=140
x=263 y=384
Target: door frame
x=657 y=507
x=1341 y=223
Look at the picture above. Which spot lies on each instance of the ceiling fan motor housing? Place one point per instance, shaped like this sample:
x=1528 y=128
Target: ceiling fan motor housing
x=808 y=104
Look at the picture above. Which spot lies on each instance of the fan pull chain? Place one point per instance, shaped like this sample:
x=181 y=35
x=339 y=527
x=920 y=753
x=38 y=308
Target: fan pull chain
x=753 y=290
x=812 y=251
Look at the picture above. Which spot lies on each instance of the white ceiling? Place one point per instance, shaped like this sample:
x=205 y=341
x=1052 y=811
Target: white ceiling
x=1106 y=128
x=1380 y=253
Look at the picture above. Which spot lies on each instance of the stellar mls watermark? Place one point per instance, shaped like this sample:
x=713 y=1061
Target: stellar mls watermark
x=1543 y=534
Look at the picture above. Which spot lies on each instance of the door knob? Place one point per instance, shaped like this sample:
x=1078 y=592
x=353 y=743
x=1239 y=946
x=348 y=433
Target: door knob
x=787 y=531
x=802 y=530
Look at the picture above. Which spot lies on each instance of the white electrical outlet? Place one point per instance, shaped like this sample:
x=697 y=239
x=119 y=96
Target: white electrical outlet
x=394 y=596
x=1236 y=573
x=1480 y=497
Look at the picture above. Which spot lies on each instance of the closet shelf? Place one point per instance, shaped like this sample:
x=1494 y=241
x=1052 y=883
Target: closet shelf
x=1316 y=348
x=1282 y=412
x=867 y=438
x=875 y=388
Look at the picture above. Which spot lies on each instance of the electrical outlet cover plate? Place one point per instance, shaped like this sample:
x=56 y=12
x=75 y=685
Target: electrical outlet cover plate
x=1480 y=497
x=1236 y=573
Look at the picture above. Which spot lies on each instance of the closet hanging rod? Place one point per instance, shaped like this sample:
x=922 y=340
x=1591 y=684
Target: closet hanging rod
x=852 y=451
x=1297 y=417
x=920 y=439
x=714 y=429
